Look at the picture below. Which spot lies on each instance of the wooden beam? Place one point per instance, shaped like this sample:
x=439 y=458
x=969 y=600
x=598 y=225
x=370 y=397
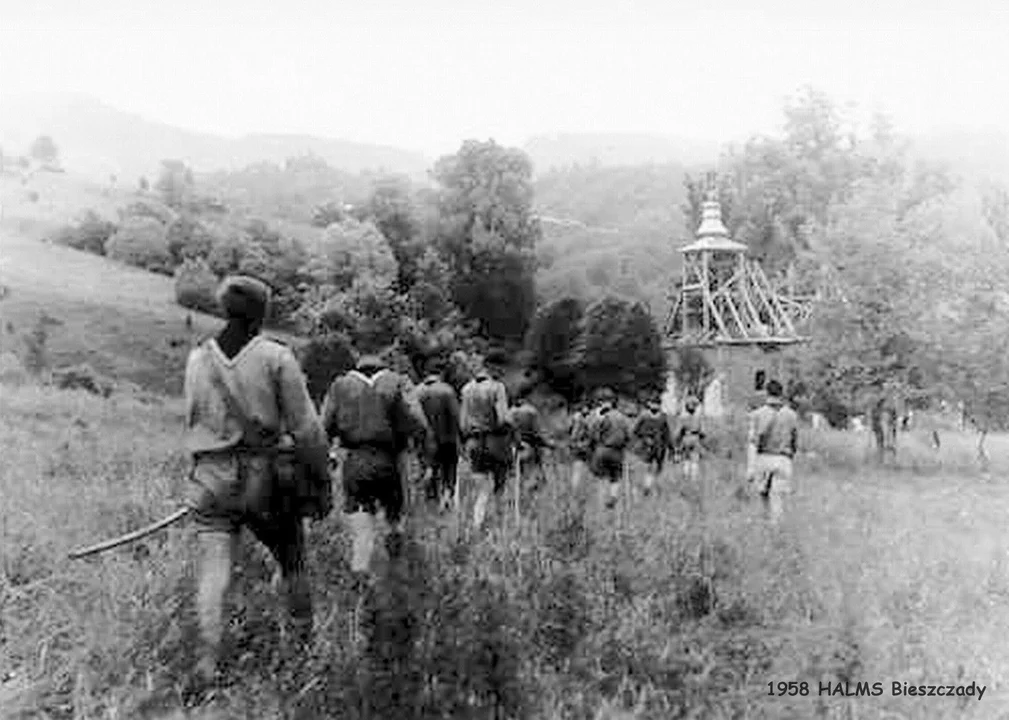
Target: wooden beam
x=671 y=316
x=735 y=314
x=776 y=324
x=745 y=291
x=719 y=320
x=776 y=303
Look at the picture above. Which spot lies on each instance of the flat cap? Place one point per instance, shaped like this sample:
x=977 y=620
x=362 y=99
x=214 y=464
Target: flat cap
x=241 y=296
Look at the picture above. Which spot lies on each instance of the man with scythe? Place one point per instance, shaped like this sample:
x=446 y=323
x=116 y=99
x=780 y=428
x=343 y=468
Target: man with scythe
x=260 y=459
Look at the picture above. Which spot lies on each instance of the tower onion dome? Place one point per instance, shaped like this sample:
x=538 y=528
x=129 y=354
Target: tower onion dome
x=712 y=233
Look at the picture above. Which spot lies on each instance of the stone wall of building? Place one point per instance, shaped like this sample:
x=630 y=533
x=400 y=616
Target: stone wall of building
x=734 y=385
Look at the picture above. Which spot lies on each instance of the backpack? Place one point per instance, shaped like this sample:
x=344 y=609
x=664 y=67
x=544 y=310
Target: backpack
x=482 y=408
x=366 y=415
x=612 y=433
x=288 y=485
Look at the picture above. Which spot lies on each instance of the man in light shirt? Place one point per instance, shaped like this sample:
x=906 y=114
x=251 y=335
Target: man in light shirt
x=246 y=401
x=772 y=442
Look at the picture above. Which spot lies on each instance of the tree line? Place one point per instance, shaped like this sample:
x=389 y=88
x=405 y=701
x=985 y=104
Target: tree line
x=902 y=259
x=905 y=261
x=446 y=270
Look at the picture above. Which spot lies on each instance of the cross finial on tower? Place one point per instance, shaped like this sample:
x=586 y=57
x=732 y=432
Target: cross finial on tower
x=712 y=183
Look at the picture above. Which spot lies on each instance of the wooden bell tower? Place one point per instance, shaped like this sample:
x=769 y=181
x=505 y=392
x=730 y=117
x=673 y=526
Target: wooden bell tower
x=724 y=305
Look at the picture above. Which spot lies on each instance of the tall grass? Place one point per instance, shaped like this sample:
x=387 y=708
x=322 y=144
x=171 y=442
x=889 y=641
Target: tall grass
x=679 y=605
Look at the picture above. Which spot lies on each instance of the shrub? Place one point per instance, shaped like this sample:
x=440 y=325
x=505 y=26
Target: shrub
x=322 y=359
x=226 y=252
x=196 y=285
x=82 y=377
x=693 y=371
x=90 y=234
x=553 y=341
x=141 y=242
x=149 y=208
x=622 y=348
x=188 y=238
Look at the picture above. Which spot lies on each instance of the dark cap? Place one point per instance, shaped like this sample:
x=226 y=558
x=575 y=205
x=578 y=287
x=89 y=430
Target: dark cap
x=496 y=358
x=244 y=297
x=773 y=388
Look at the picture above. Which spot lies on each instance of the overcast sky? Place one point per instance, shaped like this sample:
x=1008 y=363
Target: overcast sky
x=426 y=73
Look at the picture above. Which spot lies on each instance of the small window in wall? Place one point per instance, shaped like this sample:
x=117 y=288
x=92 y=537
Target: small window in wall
x=759 y=378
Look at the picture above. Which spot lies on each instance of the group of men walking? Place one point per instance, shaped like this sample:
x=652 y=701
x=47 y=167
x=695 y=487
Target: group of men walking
x=601 y=437
x=261 y=451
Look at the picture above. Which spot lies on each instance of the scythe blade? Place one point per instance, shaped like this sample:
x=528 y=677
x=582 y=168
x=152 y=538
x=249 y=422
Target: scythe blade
x=131 y=536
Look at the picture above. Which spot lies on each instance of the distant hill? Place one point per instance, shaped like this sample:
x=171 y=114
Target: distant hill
x=99 y=140
x=978 y=155
x=562 y=150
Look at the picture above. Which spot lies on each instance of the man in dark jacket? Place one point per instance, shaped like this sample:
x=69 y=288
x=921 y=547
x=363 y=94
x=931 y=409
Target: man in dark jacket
x=579 y=442
x=529 y=439
x=654 y=439
x=611 y=434
x=373 y=414
x=441 y=407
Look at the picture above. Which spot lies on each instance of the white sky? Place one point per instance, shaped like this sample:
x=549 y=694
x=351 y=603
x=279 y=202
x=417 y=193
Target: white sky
x=425 y=74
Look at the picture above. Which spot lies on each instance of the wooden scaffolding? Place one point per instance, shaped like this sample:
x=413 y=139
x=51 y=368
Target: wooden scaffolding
x=724 y=297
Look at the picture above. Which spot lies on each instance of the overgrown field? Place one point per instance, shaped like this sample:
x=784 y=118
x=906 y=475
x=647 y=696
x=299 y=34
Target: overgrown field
x=878 y=575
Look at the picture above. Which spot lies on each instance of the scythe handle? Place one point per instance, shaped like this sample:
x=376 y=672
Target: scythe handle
x=131 y=536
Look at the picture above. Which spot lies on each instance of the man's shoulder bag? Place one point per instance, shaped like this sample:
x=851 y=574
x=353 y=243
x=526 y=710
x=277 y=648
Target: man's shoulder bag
x=283 y=488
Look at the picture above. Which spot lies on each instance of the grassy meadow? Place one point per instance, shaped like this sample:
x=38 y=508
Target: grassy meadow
x=680 y=605
x=877 y=575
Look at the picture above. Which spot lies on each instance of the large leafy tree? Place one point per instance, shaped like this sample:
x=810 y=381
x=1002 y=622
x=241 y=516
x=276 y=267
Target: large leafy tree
x=393 y=209
x=621 y=348
x=352 y=288
x=277 y=260
x=354 y=251
x=487 y=233
x=856 y=345
x=963 y=326
x=775 y=189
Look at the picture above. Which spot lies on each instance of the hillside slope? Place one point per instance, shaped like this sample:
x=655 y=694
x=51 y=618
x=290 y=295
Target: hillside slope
x=120 y=320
